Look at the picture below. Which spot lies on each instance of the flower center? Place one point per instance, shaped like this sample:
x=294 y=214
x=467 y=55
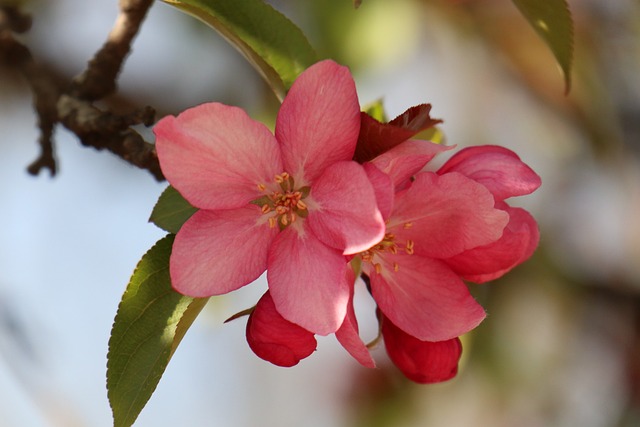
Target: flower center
x=285 y=204
x=388 y=244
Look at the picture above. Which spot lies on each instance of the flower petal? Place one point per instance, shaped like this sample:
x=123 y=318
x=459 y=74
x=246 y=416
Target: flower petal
x=319 y=120
x=497 y=168
x=423 y=297
x=407 y=159
x=349 y=335
x=343 y=212
x=216 y=155
x=306 y=280
x=446 y=215
x=489 y=262
x=421 y=361
x=275 y=339
x=382 y=187
x=216 y=252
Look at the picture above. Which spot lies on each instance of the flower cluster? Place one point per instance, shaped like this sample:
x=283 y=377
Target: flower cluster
x=297 y=205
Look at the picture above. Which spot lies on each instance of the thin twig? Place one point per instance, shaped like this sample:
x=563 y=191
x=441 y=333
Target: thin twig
x=45 y=90
x=74 y=107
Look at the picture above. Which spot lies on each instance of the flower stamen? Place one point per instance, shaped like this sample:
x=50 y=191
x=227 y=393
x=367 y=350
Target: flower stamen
x=284 y=205
x=408 y=248
x=387 y=245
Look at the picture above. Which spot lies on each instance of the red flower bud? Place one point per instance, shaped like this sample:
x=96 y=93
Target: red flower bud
x=421 y=361
x=275 y=339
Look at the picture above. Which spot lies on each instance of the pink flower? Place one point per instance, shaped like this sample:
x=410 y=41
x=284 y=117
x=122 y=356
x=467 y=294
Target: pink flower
x=433 y=219
x=421 y=361
x=441 y=227
x=293 y=203
x=503 y=173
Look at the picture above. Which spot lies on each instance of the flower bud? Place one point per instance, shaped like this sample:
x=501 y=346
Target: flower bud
x=275 y=339
x=421 y=361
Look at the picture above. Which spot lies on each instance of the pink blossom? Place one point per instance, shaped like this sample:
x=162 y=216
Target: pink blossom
x=503 y=173
x=433 y=219
x=293 y=203
x=442 y=227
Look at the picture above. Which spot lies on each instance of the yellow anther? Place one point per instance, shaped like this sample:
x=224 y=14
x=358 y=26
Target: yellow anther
x=285 y=202
x=281 y=178
x=407 y=225
x=378 y=268
x=396 y=267
x=409 y=247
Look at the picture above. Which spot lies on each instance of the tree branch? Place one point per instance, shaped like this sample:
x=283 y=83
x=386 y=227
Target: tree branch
x=45 y=90
x=74 y=107
x=99 y=79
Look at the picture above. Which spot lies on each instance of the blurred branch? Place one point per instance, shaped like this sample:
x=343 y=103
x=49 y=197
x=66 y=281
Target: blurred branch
x=45 y=90
x=71 y=104
x=99 y=79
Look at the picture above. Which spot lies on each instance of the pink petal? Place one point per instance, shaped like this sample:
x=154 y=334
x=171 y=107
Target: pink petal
x=216 y=252
x=216 y=155
x=421 y=361
x=275 y=339
x=319 y=120
x=489 y=262
x=348 y=334
x=495 y=167
x=382 y=187
x=343 y=212
x=407 y=159
x=306 y=281
x=446 y=215
x=424 y=297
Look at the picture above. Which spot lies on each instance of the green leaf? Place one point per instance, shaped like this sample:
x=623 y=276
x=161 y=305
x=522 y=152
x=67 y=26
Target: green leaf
x=171 y=210
x=434 y=134
x=151 y=321
x=274 y=45
x=552 y=21
x=376 y=110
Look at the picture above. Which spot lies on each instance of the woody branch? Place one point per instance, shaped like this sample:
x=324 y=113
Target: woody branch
x=72 y=103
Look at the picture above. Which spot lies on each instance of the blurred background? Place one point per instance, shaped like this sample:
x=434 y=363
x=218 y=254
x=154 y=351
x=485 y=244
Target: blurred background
x=561 y=344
